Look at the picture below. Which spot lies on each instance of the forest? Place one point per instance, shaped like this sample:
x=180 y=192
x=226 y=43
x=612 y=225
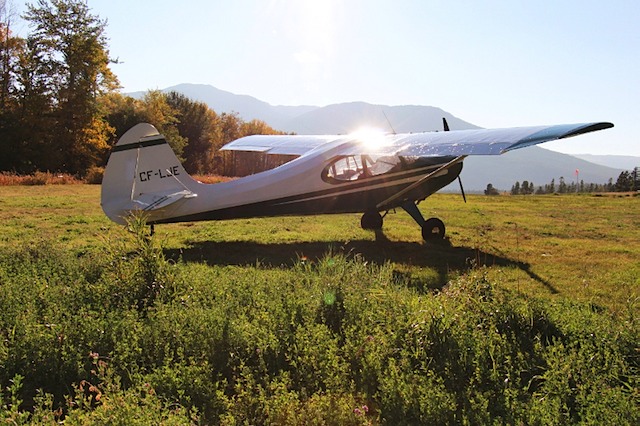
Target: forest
x=627 y=181
x=60 y=105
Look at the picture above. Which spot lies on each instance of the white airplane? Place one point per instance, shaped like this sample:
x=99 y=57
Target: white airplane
x=358 y=173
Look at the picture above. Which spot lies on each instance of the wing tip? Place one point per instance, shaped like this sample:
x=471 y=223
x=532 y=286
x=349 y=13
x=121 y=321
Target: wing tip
x=587 y=128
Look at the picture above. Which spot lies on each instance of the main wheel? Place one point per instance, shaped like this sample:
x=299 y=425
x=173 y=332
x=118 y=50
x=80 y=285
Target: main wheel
x=371 y=220
x=433 y=229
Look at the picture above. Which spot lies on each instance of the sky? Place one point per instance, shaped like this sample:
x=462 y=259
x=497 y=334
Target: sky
x=493 y=63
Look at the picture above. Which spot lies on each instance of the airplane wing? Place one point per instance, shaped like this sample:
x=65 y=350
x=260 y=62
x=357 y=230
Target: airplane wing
x=487 y=141
x=280 y=144
x=429 y=144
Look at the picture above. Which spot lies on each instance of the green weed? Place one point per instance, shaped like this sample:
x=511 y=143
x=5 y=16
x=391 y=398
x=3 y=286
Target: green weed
x=130 y=330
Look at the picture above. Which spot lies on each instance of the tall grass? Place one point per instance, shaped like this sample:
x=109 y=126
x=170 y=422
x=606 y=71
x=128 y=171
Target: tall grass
x=93 y=176
x=125 y=335
x=38 y=178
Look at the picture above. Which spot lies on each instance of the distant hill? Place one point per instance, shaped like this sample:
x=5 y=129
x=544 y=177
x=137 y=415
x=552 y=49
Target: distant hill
x=625 y=162
x=348 y=117
x=332 y=119
x=535 y=164
x=248 y=107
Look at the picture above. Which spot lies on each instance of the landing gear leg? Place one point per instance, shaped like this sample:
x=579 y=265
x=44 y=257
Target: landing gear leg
x=371 y=220
x=432 y=229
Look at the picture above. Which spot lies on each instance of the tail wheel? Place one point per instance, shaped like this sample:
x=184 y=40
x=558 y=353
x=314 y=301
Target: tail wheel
x=371 y=220
x=433 y=229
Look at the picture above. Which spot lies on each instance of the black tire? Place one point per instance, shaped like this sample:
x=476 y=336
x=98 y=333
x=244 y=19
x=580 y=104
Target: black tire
x=433 y=229
x=371 y=220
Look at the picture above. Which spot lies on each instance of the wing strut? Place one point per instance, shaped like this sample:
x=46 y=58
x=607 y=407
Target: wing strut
x=464 y=197
x=382 y=205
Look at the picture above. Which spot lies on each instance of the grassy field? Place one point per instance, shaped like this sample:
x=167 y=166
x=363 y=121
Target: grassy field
x=526 y=314
x=584 y=248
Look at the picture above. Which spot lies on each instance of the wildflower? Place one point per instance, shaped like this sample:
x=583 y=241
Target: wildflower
x=361 y=411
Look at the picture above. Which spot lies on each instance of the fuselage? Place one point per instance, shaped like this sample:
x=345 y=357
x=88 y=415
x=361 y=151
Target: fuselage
x=311 y=184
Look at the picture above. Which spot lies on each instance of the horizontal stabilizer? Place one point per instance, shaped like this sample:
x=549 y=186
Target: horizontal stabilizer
x=156 y=201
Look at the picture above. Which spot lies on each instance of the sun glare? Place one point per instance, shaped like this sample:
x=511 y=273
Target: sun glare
x=370 y=136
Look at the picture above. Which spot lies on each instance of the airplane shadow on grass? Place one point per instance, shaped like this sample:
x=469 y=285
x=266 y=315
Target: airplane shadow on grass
x=440 y=256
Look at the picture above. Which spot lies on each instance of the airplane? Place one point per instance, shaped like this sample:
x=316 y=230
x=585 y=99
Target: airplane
x=368 y=173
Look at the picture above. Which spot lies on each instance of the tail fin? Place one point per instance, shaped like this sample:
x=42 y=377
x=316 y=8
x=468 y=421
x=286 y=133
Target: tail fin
x=143 y=174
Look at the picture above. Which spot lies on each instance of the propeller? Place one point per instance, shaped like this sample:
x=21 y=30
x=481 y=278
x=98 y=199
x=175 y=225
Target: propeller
x=446 y=129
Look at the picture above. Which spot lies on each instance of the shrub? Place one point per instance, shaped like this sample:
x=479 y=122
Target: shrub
x=94 y=175
x=38 y=178
x=126 y=336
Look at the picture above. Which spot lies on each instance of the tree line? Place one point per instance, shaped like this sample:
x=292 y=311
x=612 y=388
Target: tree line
x=627 y=181
x=60 y=109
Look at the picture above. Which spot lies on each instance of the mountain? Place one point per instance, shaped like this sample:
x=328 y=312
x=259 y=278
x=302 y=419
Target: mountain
x=534 y=164
x=348 y=117
x=332 y=119
x=625 y=162
x=248 y=107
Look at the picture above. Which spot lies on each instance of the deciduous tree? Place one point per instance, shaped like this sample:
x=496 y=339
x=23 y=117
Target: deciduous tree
x=200 y=126
x=156 y=110
x=74 y=63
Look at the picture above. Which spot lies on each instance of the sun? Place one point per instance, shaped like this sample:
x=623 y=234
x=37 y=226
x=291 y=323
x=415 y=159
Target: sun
x=372 y=137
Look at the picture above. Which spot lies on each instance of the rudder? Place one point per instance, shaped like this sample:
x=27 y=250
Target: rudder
x=143 y=173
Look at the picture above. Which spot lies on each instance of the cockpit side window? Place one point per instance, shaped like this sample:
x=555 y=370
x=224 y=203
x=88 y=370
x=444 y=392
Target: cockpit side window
x=356 y=167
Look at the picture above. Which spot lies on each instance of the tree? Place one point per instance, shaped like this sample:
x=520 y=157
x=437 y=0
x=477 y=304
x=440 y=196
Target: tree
x=562 y=186
x=491 y=190
x=624 y=182
x=26 y=123
x=10 y=51
x=123 y=112
x=515 y=189
x=10 y=47
x=73 y=61
x=200 y=126
x=156 y=110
